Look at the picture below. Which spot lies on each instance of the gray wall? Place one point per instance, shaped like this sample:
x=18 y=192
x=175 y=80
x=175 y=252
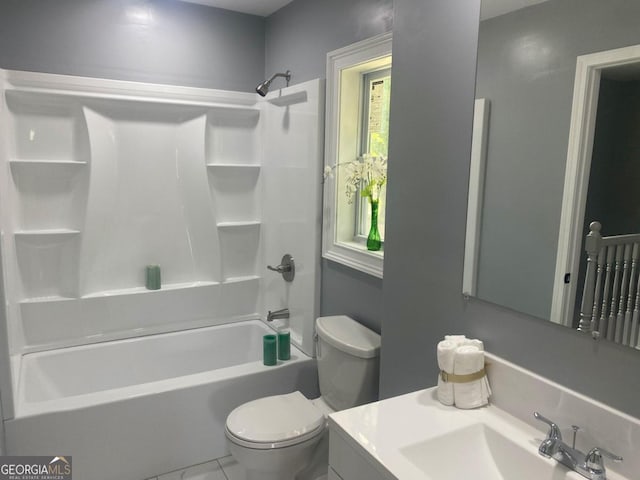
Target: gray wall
x=159 y=41
x=299 y=35
x=526 y=68
x=298 y=38
x=434 y=54
x=432 y=101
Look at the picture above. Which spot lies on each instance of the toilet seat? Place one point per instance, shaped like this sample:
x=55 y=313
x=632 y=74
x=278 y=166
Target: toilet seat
x=275 y=422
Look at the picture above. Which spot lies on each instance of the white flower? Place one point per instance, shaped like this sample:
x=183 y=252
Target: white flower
x=367 y=174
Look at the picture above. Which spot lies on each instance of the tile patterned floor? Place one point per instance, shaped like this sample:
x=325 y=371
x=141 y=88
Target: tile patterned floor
x=231 y=469
x=225 y=468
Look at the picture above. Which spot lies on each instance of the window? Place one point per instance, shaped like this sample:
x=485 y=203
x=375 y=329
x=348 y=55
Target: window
x=357 y=123
x=374 y=138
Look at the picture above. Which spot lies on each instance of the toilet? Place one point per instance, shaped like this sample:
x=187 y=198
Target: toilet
x=278 y=437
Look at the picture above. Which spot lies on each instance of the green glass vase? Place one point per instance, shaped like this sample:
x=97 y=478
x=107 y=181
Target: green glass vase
x=374 y=242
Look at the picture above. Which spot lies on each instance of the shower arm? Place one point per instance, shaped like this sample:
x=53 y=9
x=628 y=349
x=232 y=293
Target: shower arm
x=263 y=88
x=286 y=75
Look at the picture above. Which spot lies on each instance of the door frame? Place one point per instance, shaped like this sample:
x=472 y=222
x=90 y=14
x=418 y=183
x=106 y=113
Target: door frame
x=576 y=182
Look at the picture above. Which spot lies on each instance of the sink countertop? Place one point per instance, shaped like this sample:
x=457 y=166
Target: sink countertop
x=387 y=429
x=395 y=434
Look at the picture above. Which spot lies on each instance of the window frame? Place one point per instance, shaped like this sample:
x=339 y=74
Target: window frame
x=339 y=218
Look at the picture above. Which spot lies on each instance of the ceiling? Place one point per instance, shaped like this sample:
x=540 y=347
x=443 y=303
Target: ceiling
x=264 y=8
x=495 y=8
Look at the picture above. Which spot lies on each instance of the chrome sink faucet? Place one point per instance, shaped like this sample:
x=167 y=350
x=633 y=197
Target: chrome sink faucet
x=282 y=313
x=589 y=465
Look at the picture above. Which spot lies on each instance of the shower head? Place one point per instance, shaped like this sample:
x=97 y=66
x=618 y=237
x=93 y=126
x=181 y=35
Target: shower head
x=263 y=88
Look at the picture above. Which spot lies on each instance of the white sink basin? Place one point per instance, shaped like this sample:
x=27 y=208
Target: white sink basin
x=414 y=437
x=477 y=452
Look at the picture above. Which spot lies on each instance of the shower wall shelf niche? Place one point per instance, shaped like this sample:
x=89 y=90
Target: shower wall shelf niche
x=45 y=127
x=239 y=242
x=233 y=137
x=236 y=192
x=47 y=262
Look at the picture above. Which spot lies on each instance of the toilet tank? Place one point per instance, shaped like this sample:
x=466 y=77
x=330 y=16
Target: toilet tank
x=348 y=362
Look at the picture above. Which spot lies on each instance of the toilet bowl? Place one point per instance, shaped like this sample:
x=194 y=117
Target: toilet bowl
x=274 y=437
x=284 y=437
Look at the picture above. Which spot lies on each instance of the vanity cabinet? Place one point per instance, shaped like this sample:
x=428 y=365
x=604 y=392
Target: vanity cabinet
x=349 y=462
x=332 y=475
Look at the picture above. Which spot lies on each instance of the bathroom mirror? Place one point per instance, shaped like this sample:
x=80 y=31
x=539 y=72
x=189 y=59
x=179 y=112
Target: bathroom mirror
x=527 y=56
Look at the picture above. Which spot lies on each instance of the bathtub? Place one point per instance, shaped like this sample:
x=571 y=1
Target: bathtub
x=136 y=408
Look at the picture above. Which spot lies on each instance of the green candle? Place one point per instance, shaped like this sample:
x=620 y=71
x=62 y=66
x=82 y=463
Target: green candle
x=152 y=277
x=269 y=350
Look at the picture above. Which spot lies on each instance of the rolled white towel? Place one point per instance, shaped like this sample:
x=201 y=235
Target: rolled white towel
x=446 y=358
x=475 y=342
x=469 y=359
x=485 y=380
x=457 y=339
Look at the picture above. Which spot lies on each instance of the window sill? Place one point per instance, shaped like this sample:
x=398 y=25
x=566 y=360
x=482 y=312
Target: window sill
x=355 y=255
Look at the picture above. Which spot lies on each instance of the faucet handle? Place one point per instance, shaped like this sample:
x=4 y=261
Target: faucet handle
x=594 y=460
x=280 y=268
x=554 y=431
x=287 y=268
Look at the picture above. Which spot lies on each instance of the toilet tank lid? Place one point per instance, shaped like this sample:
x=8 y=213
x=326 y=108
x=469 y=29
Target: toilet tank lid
x=349 y=336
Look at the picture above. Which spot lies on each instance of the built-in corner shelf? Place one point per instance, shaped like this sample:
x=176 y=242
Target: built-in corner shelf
x=25 y=170
x=248 y=167
x=47 y=234
x=227 y=225
x=290 y=99
x=233 y=110
x=48 y=299
x=47 y=163
x=245 y=278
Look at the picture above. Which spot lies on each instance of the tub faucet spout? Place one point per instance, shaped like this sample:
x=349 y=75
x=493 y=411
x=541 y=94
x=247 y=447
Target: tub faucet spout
x=282 y=313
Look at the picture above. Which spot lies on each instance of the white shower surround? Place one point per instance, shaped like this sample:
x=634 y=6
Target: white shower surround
x=101 y=177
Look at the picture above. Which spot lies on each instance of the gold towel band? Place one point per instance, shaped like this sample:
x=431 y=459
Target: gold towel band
x=469 y=377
